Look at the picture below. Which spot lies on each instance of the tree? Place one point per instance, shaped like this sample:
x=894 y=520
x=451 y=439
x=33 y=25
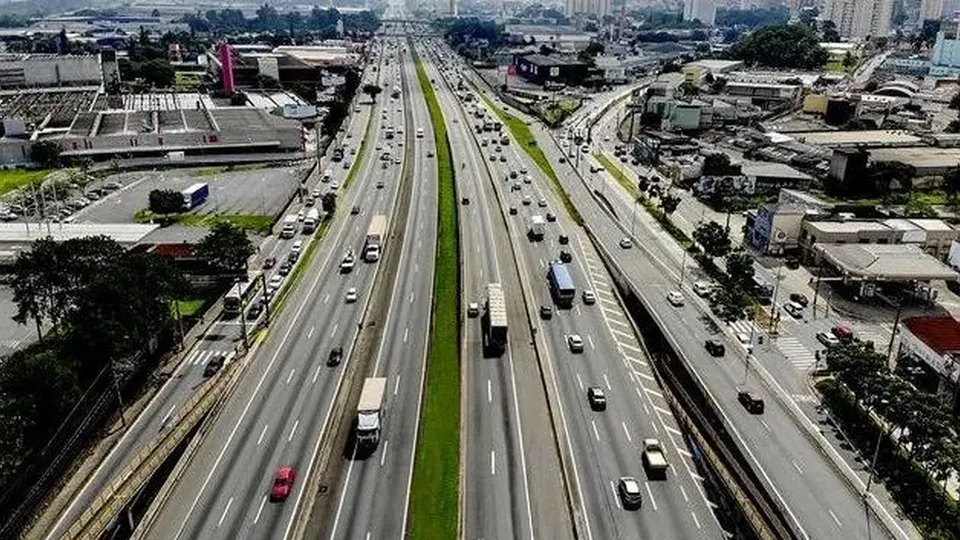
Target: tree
x=829 y=31
x=740 y=267
x=713 y=238
x=226 y=248
x=669 y=203
x=328 y=201
x=919 y=208
x=790 y=46
x=849 y=61
x=718 y=164
x=729 y=303
x=870 y=86
x=166 y=201
x=372 y=90
x=46 y=152
x=955 y=101
x=952 y=127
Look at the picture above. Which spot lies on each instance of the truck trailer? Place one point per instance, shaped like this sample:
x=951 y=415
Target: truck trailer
x=311 y=221
x=494 y=321
x=537 y=225
x=289 y=226
x=195 y=195
x=561 y=284
x=373 y=246
x=369 y=412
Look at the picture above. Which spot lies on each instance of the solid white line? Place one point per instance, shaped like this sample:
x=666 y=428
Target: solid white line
x=489 y=392
x=315 y=375
x=259 y=510
x=290 y=376
x=335 y=328
x=684 y=493
x=579 y=381
x=834 y=516
x=310 y=333
x=167 y=416
x=383 y=453
x=227 y=508
x=624 y=424
x=406 y=331
x=262 y=433
x=294 y=430
x=590 y=339
x=797 y=466
x=652 y=391
x=396 y=385
x=607 y=381
x=616 y=497
x=650 y=493
x=695 y=520
x=493 y=463
x=595 y=432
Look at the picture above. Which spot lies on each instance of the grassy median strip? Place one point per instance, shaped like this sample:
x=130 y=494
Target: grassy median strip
x=434 y=497
x=524 y=137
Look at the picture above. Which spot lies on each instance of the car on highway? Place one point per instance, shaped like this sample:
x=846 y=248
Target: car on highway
x=465 y=201
x=473 y=309
x=750 y=401
x=513 y=210
x=503 y=159
x=515 y=186
x=526 y=200
x=523 y=170
x=794 y=309
x=214 y=365
x=596 y=398
x=565 y=256
x=799 y=298
x=575 y=343
x=563 y=239
x=589 y=298
x=285 y=268
x=355 y=210
x=675 y=298
x=842 y=332
x=562 y=159
x=551 y=217
x=546 y=312
x=282 y=484
x=629 y=491
x=335 y=356
x=493 y=157
x=301 y=214
x=526 y=179
x=702 y=288
x=827 y=339
x=351 y=295
x=316 y=193
x=744 y=340
x=542 y=203
x=626 y=243
x=513 y=174
x=714 y=347
x=275 y=281
x=269 y=263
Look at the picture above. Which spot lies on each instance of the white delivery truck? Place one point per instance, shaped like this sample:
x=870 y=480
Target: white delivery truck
x=537 y=225
x=373 y=246
x=311 y=221
x=369 y=412
x=653 y=458
x=289 y=226
x=494 y=321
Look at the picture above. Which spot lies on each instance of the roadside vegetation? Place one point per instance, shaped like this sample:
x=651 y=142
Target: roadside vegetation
x=213 y=171
x=259 y=225
x=434 y=497
x=521 y=133
x=19 y=178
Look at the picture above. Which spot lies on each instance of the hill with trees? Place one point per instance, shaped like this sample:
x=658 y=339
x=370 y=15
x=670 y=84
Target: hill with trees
x=788 y=47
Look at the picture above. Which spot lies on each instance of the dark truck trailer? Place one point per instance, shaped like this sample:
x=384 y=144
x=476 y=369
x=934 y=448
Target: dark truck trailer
x=195 y=195
x=561 y=284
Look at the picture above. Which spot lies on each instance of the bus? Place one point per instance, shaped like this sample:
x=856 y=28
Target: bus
x=239 y=294
x=561 y=284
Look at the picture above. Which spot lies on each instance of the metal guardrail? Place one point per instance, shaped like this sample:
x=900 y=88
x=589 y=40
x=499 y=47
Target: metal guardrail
x=115 y=495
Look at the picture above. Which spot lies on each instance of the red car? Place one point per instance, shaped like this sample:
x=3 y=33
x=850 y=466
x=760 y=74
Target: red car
x=269 y=263
x=282 y=484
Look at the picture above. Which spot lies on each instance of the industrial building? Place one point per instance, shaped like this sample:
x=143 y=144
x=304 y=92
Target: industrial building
x=538 y=68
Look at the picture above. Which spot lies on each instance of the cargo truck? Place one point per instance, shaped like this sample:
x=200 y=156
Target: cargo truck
x=536 y=227
x=494 y=321
x=653 y=458
x=373 y=246
x=369 y=412
x=195 y=195
x=311 y=221
x=289 y=226
x=561 y=284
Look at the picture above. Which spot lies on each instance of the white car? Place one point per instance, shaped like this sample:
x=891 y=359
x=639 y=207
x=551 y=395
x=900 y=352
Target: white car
x=276 y=280
x=745 y=341
x=827 y=339
x=334 y=186
x=473 y=309
x=300 y=215
x=626 y=243
x=575 y=342
x=527 y=200
x=316 y=193
x=351 y=296
x=675 y=298
x=702 y=288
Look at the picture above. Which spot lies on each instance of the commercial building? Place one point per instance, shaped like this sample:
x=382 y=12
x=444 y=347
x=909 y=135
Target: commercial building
x=930 y=10
x=934 y=342
x=560 y=37
x=945 y=57
x=931 y=236
x=774 y=228
x=588 y=7
x=857 y=19
x=538 y=68
x=765 y=95
x=704 y=11
x=49 y=70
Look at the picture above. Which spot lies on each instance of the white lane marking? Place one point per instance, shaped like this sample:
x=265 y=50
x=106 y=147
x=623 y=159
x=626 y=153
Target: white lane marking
x=296 y=424
x=590 y=339
x=834 y=516
x=335 y=328
x=579 y=381
x=797 y=466
x=626 y=431
x=326 y=299
x=607 y=381
x=493 y=463
x=396 y=385
x=383 y=453
x=290 y=376
x=654 y=392
x=765 y=425
x=650 y=494
x=315 y=375
x=310 y=333
x=655 y=428
x=167 y=416
x=406 y=332
x=259 y=510
x=578 y=310
x=595 y=432
x=489 y=392
x=411 y=298
x=262 y=433
x=695 y=520
x=616 y=496
x=227 y=508
x=684 y=493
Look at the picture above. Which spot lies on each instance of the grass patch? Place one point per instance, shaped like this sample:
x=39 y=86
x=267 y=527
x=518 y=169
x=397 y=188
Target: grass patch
x=17 y=178
x=213 y=171
x=361 y=151
x=524 y=137
x=256 y=224
x=189 y=307
x=434 y=498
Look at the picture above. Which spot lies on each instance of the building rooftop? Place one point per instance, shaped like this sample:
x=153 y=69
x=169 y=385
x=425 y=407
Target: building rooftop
x=879 y=137
x=804 y=197
x=775 y=170
x=13 y=234
x=924 y=159
x=942 y=334
x=847 y=226
x=553 y=60
x=886 y=262
x=932 y=224
x=719 y=66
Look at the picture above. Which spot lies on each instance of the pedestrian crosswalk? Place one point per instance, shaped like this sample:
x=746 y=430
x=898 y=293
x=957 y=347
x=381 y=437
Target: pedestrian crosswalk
x=743 y=327
x=796 y=353
x=200 y=357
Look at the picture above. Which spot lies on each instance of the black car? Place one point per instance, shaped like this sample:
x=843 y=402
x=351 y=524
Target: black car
x=799 y=298
x=513 y=210
x=355 y=210
x=465 y=201
x=714 y=347
x=750 y=401
x=213 y=366
x=336 y=355
x=285 y=268
x=551 y=217
x=565 y=256
x=546 y=312
x=255 y=310
x=598 y=401
x=563 y=239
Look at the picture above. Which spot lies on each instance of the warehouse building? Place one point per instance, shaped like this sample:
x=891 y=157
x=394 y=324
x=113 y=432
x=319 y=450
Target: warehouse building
x=538 y=69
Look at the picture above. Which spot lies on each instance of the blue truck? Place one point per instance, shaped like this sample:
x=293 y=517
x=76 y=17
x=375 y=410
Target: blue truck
x=195 y=195
x=561 y=284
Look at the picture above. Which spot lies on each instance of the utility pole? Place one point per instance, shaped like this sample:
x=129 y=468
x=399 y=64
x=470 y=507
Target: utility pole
x=266 y=301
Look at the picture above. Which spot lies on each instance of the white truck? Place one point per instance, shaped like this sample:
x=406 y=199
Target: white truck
x=494 y=321
x=653 y=458
x=376 y=234
x=369 y=412
x=346 y=265
x=289 y=226
x=536 y=227
x=311 y=221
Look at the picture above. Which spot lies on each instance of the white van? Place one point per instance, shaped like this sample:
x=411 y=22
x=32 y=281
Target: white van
x=419 y=133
